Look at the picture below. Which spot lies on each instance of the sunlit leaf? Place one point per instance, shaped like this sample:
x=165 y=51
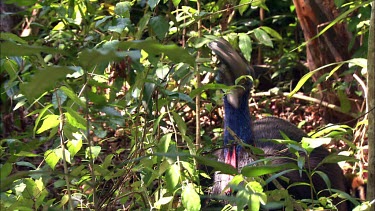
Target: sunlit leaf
x=190 y=198
x=256 y=171
x=70 y=93
x=74 y=146
x=75 y=119
x=50 y=121
x=172 y=175
x=94 y=152
x=51 y=158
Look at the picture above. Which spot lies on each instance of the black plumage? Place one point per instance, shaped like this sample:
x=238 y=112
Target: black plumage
x=258 y=133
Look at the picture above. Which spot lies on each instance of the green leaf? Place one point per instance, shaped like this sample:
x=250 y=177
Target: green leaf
x=245 y=45
x=176 y=2
x=75 y=145
x=44 y=80
x=59 y=153
x=162 y=201
x=11 y=67
x=120 y=24
x=164 y=142
x=51 y=158
x=153 y=3
x=256 y=171
x=49 y=121
x=181 y=125
x=12 y=37
x=5 y=170
x=172 y=175
x=95 y=152
x=263 y=37
x=333 y=158
x=160 y=26
x=344 y=101
x=271 y=32
x=311 y=143
x=69 y=92
x=8 y=48
x=218 y=166
x=123 y=9
x=75 y=119
x=244 y=7
x=174 y=52
x=190 y=198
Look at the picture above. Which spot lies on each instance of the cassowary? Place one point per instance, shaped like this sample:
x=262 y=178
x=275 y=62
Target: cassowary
x=237 y=118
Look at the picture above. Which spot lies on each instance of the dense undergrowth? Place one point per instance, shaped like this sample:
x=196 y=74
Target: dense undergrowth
x=99 y=111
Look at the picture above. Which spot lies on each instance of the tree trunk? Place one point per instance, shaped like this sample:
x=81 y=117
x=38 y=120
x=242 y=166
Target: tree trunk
x=332 y=46
x=371 y=105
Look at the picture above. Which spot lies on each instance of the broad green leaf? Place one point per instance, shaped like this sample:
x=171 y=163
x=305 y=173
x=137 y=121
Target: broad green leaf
x=263 y=37
x=333 y=158
x=11 y=67
x=40 y=116
x=44 y=80
x=153 y=3
x=120 y=24
x=69 y=92
x=344 y=101
x=174 y=52
x=162 y=201
x=245 y=45
x=49 y=121
x=190 y=198
x=8 y=48
x=245 y=4
x=74 y=146
x=181 y=125
x=75 y=119
x=176 y=2
x=12 y=37
x=311 y=143
x=172 y=175
x=51 y=158
x=58 y=98
x=164 y=142
x=160 y=26
x=122 y=9
x=95 y=150
x=59 y=153
x=5 y=170
x=271 y=32
x=27 y=164
x=218 y=166
x=256 y=171
x=142 y=25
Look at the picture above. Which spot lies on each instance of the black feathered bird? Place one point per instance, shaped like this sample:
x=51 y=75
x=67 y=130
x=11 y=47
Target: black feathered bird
x=237 y=118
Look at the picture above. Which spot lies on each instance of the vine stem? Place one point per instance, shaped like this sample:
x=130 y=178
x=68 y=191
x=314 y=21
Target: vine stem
x=199 y=84
x=65 y=165
x=89 y=143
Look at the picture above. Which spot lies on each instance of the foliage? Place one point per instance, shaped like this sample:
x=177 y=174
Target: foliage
x=100 y=97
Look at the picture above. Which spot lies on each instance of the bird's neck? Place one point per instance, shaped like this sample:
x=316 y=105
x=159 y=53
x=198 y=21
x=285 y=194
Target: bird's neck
x=238 y=120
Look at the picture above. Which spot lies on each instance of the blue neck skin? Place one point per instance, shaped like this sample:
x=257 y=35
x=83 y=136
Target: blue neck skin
x=239 y=120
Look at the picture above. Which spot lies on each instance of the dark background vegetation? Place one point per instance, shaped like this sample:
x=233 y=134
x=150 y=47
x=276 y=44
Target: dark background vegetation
x=113 y=105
